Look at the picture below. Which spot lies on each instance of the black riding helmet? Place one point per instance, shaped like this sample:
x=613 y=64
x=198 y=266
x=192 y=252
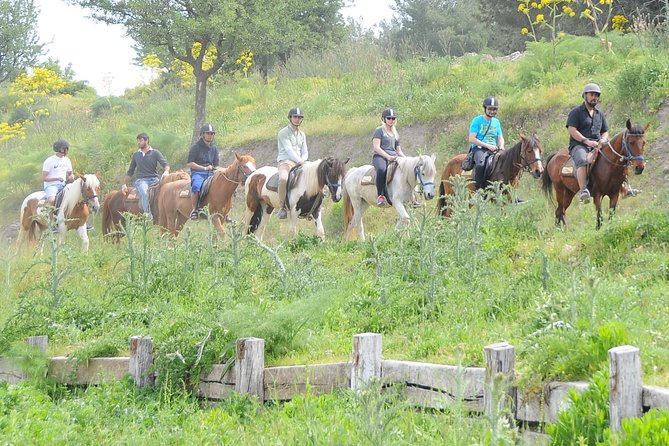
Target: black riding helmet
x=388 y=113
x=60 y=145
x=490 y=101
x=207 y=128
x=295 y=111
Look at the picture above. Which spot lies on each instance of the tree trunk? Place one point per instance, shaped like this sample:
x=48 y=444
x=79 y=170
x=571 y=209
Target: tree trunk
x=200 y=104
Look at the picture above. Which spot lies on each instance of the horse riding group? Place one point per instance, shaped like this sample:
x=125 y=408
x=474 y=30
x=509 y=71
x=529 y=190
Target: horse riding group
x=592 y=167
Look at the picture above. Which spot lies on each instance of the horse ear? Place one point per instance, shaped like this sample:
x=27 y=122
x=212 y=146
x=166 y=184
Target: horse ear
x=523 y=137
x=83 y=178
x=646 y=127
x=628 y=124
x=98 y=174
x=434 y=157
x=347 y=160
x=239 y=158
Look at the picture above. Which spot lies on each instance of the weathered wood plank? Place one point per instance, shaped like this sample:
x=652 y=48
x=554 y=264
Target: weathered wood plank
x=9 y=373
x=94 y=371
x=499 y=392
x=435 y=385
x=655 y=397
x=558 y=397
x=625 y=386
x=141 y=361
x=41 y=342
x=217 y=384
x=365 y=359
x=283 y=383
x=249 y=368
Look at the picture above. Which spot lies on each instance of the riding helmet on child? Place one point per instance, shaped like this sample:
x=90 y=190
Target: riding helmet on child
x=207 y=128
x=60 y=145
x=295 y=111
x=490 y=101
x=591 y=88
x=388 y=113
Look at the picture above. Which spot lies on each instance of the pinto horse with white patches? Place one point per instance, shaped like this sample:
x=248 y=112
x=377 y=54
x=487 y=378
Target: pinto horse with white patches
x=305 y=194
x=360 y=193
x=73 y=212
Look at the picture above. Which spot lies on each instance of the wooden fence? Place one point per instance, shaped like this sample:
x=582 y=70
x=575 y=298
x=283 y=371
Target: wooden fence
x=426 y=385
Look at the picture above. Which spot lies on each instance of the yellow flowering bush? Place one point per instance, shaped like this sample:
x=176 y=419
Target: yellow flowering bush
x=245 y=61
x=43 y=82
x=11 y=131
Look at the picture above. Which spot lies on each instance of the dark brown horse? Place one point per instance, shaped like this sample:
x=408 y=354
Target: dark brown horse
x=607 y=172
x=507 y=166
x=174 y=200
x=117 y=203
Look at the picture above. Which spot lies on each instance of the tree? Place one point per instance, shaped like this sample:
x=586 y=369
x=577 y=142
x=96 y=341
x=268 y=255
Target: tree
x=191 y=30
x=19 y=43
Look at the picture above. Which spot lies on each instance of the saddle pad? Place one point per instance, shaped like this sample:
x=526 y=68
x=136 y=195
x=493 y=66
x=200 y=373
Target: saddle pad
x=184 y=193
x=132 y=196
x=467 y=173
x=369 y=178
x=568 y=168
x=273 y=183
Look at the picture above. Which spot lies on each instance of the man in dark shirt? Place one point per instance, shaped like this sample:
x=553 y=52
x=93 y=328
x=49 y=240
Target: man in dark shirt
x=144 y=165
x=588 y=130
x=202 y=160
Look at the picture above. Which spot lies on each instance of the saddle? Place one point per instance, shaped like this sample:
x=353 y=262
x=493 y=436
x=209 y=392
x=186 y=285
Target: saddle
x=369 y=178
x=273 y=182
x=569 y=168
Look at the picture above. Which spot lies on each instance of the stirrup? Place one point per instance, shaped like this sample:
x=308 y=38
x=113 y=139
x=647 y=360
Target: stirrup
x=194 y=215
x=584 y=196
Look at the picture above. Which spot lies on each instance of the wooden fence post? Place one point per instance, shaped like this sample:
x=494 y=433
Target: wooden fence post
x=41 y=342
x=141 y=360
x=625 y=386
x=250 y=367
x=366 y=359
x=499 y=392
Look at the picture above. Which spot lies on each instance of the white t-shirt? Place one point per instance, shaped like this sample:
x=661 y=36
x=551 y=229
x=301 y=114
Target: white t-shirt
x=56 y=167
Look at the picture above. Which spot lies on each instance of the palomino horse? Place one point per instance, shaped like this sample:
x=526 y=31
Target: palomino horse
x=305 y=196
x=174 y=200
x=506 y=167
x=117 y=203
x=360 y=192
x=72 y=213
x=607 y=172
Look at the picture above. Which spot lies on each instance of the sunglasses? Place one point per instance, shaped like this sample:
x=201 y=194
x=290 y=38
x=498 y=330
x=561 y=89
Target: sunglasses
x=492 y=108
x=391 y=118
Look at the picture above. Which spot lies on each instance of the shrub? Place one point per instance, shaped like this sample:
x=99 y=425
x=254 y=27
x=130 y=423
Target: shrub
x=651 y=429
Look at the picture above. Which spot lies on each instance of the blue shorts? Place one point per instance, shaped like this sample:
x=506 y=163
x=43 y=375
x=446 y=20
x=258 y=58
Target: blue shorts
x=53 y=189
x=197 y=178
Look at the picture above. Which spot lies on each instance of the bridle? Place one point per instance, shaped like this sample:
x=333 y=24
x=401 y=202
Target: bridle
x=418 y=171
x=84 y=198
x=239 y=172
x=626 y=157
x=332 y=186
x=527 y=161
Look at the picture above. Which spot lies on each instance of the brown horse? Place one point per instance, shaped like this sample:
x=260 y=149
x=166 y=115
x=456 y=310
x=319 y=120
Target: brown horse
x=72 y=213
x=607 y=172
x=507 y=166
x=174 y=201
x=117 y=203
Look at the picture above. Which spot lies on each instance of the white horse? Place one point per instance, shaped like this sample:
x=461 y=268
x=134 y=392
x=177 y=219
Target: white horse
x=359 y=195
x=304 y=197
x=72 y=213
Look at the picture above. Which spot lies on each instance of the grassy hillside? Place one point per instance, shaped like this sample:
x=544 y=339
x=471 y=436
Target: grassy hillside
x=438 y=292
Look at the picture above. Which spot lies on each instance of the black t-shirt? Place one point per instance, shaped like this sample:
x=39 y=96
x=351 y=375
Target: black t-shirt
x=590 y=127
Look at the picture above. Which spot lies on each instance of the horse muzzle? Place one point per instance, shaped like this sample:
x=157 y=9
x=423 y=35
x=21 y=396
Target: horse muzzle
x=638 y=169
x=428 y=193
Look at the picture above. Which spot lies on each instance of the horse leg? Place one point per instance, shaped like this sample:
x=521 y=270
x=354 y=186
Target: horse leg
x=266 y=214
x=613 y=202
x=293 y=221
x=218 y=224
x=83 y=235
x=320 y=231
x=404 y=218
x=597 y=199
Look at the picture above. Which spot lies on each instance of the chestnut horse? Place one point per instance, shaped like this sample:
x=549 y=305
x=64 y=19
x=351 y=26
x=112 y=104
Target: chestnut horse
x=174 y=199
x=117 y=203
x=507 y=166
x=73 y=212
x=607 y=172
x=304 y=197
x=360 y=193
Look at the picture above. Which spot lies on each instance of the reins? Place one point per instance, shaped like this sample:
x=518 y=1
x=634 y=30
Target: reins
x=622 y=158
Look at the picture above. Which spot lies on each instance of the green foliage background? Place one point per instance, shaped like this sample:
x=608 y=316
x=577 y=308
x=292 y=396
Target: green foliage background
x=438 y=292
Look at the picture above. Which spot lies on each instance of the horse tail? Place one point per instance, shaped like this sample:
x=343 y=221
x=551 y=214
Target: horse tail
x=546 y=182
x=107 y=220
x=28 y=223
x=348 y=209
x=254 y=186
x=441 y=201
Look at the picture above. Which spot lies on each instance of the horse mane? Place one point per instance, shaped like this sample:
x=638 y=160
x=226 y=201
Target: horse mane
x=72 y=192
x=175 y=176
x=412 y=162
x=510 y=159
x=637 y=129
x=336 y=166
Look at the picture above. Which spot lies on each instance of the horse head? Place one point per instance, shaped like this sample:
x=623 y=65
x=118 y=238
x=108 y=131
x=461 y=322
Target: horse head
x=246 y=165
x=90 y=189
x=530 y=155
x=425 y=171
x=331 y=172
x=633 y=142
